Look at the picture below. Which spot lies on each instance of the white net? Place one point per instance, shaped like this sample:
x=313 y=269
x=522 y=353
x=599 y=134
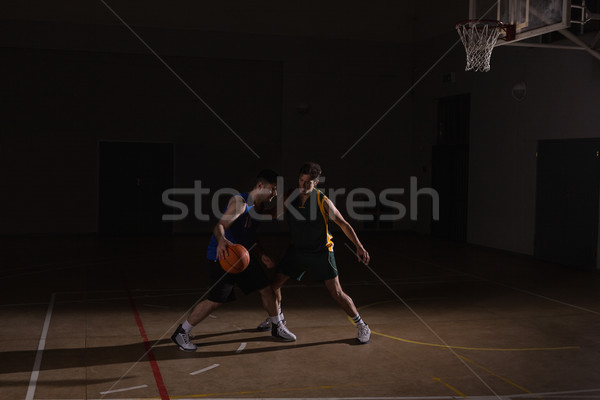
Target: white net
x=479 y=39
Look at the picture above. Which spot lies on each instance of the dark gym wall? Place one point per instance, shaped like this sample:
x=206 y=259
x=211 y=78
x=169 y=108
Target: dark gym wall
x=62 y=103
x=72 y=86
x=561 y=99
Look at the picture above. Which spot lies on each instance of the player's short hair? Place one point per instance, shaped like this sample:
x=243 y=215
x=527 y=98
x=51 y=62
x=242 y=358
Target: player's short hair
x=311 y=168
x=266 y=176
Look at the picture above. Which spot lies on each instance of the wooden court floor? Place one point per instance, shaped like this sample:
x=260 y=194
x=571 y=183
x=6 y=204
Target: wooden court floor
x=90 y=318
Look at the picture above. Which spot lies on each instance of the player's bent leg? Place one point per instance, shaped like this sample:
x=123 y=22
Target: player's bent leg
x=336 y=292
x=278 y=282
x=268 y=300
x=181 y=337
x=202 y=310
x=276 y=285
x=345 y=301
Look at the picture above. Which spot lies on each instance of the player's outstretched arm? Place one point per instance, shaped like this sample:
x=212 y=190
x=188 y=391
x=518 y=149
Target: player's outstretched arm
x=336 y=216
x=235 y=208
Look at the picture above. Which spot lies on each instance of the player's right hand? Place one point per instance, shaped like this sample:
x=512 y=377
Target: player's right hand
x=222 y=248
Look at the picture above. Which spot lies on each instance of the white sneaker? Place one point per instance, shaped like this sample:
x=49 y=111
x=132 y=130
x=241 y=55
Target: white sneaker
x=182 y=339
x=364 y=334
x=266 y=324
x=282 y=332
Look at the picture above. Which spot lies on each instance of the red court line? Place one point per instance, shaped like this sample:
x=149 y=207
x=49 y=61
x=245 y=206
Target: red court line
x=160 y=384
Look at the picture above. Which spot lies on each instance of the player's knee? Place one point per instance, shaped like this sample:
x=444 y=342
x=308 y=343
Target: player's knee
x=278 y=281
x=267 y=291
x=337 y=294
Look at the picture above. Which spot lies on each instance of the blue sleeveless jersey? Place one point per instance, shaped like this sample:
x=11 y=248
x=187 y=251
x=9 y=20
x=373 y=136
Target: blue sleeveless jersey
x=242 y=231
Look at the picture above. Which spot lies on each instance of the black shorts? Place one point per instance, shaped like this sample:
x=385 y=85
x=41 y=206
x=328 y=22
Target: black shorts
x=321 y=265
x=251 y=279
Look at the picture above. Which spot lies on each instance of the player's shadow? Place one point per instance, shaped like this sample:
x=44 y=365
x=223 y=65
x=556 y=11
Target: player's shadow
x=164 y=349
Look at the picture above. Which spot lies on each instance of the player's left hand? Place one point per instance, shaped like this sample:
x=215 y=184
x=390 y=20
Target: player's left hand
x=362 y=255
x=268 y=261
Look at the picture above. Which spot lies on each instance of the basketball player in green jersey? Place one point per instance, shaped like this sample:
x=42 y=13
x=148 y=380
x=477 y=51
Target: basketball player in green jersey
x=308 y=215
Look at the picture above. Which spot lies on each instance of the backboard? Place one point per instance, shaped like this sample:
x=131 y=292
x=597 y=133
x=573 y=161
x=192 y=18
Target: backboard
x=531 y=17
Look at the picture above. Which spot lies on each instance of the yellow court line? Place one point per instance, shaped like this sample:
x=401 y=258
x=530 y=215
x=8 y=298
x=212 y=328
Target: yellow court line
x=460 y=347
x=272 y=390
x=496 y=375
x=474 y=348
x=490 y=372
x=455 y=390
x=435 y=379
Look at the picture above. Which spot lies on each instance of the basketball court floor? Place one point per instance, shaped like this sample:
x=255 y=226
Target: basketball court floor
x=90 y=318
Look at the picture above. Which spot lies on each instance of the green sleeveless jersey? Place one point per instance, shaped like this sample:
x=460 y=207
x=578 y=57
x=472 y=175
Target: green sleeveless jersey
x=309 y=223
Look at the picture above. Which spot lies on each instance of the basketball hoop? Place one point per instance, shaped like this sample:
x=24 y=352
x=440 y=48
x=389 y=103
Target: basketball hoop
x=479 y=36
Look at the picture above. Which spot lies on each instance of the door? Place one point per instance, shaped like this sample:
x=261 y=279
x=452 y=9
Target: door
x=450 y=167
x=567 y=202
x=132 y=179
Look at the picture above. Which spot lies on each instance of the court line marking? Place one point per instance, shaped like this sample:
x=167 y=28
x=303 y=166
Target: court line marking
x=450 y=349
x=477 y=348
x=124 y=389
x=501 y=284
x=489 y=371
x=158 y=379
x=242 y=347
x=176 y=75
x=207 y=395
x=170 y=329
x=35 y=373
x=508 y=396
x=203 y=370
x=459 y=347
x=455 y=390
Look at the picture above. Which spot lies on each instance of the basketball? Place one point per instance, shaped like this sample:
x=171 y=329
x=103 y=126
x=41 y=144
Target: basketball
x=237 y=260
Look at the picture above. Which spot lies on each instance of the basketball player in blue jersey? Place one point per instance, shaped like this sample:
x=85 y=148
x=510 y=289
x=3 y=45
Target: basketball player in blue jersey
x=237 y=226
x=308 y=215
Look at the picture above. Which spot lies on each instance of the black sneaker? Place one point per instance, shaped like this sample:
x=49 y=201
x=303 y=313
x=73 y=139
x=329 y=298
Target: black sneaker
x=182 y=339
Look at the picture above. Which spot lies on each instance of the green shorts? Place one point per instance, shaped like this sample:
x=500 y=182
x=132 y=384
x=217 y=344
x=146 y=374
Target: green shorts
x=320 y=265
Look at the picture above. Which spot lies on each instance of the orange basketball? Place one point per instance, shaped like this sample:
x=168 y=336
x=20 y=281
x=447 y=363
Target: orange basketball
x=237 y=260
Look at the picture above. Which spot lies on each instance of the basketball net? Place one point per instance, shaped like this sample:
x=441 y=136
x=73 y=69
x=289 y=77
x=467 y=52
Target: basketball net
x=479 y=39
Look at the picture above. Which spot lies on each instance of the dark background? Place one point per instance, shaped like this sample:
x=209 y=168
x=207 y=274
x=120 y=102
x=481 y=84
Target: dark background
x=295 y=82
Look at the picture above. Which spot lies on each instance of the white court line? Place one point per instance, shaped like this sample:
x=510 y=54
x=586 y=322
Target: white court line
x=559 y=393
x=40 y=351
x=170 y=329
x=204 y=369
x=506 y=396
x=518 y=289
x=124 y=389
x=242 y=347
x=475 y=374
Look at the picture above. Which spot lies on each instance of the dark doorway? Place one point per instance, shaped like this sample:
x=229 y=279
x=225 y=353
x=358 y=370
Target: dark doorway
x=133 y=177
x=450 y=167
x=567 y=202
